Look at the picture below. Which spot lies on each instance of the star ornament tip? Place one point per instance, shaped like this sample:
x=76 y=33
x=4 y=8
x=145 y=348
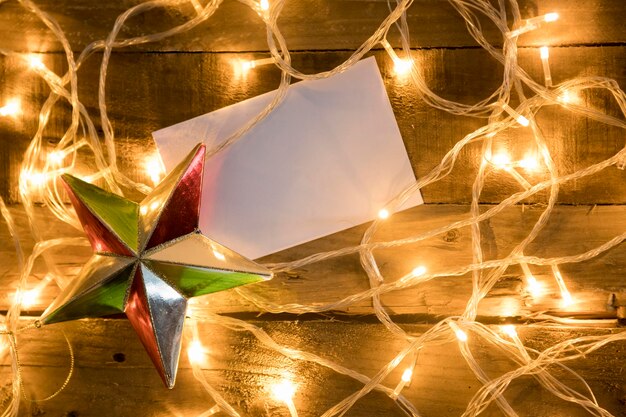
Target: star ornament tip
x=149 y=259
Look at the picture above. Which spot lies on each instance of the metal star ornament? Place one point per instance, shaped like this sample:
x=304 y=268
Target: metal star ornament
x=149 y=259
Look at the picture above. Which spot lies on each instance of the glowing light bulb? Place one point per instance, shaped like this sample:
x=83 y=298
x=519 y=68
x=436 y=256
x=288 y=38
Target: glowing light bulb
x=219 y=255
x=419 y=271
x=143 y=210
x=12 y=108
x=529 y=163
x=533 y=23
x=35 y=61
x=407 y=374
x=283 y=391
x=28 y=298
x=501 y=160
x=56 y=157
x=264 y=4
x=551 y=17
x=383 y=214
x=196 y=352
x=534 y=287
x=242 y=67
x=522 y=120
x=509 y=330
x=569 y=97
x=566 y=298
x=34 y=179
x=460 y=334
x=545 y=54
x=518 y=117
x=402 y=66
x=406 y=378
x=154 y=168
x=154 y=205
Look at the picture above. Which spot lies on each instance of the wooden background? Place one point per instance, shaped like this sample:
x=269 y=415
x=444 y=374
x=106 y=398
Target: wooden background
x=156 y=85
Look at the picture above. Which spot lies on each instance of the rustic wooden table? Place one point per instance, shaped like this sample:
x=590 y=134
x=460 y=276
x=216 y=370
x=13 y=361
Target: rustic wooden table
x=156 y=85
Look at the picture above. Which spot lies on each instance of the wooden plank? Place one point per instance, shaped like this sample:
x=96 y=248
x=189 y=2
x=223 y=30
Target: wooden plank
x=305 y=24
x=242 y=370
x=571 y=230
x=151 y=91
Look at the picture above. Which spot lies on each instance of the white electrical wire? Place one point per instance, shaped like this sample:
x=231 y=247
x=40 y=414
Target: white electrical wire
x=40 y=170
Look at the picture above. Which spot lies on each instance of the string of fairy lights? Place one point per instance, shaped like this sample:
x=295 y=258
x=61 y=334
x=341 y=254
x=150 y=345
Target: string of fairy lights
x=41 y=167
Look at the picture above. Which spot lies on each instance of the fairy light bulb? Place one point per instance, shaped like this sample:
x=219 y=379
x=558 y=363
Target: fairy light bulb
x=407 y=374
x=243 y=67
x=35 y=62
x=264 y=5
x=533 y=23
x=509 y=330
x=566 y=298
x=12 y=108
x=196 y=352
x=400 y=66
x=551 y=17
x=28 y=298
x=534 y=287
x=418 y=271
x=247 y=65
x=529 y=163
x=569 y=97
x=547 y=76
x=460 y=334
x=34 y=179
x=501 y=160
x=383 y=214
x=219 y=255
x=56 y=157
x=154 y=168
x=404 y=380
x=514 y=114
x=284 y=391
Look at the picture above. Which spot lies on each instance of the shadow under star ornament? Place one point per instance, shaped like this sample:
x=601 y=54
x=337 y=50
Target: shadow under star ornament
x=150 y=257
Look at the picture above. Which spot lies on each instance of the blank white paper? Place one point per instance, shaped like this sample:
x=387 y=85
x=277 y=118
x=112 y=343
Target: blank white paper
x=327 y=159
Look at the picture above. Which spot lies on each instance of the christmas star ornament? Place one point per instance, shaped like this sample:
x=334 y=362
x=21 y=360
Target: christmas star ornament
x=149 y=259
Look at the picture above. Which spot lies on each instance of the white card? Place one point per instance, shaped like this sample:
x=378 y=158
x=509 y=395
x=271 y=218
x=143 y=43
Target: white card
x=328 y=158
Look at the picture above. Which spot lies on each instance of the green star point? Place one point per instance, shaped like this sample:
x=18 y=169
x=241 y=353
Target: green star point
x=196 y=281
x=118 y=213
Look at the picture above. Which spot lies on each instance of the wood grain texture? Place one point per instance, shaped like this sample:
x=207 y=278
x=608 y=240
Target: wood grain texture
x=242 y=370
x=305 y=24
x=571 y=230
x=155 y=85
x=147 y=92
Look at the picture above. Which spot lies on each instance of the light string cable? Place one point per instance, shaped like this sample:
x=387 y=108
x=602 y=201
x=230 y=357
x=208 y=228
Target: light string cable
x=495 y=108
